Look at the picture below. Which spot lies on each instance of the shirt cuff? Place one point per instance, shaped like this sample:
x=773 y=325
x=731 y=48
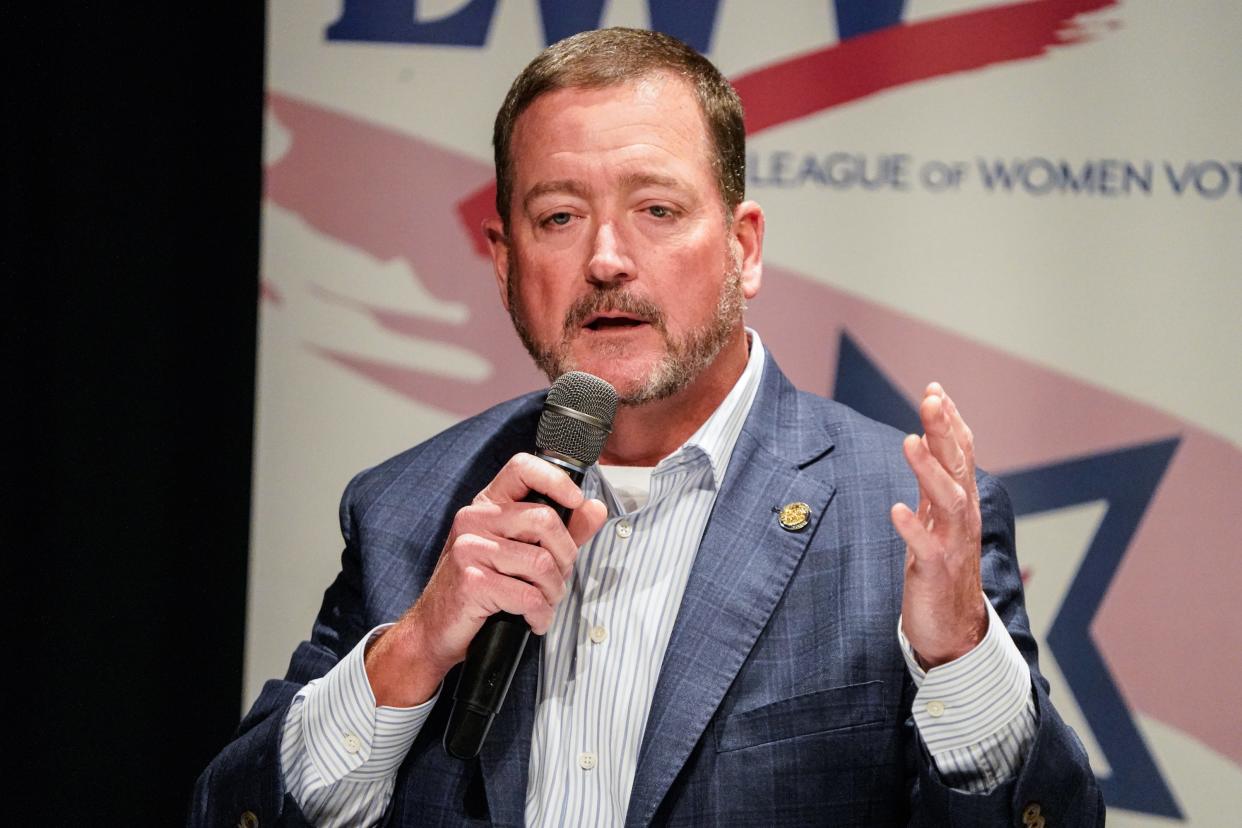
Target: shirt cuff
x=972 y=698
x=344 y=733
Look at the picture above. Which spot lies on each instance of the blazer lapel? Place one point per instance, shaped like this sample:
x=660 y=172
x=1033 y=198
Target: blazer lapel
x=740 y=572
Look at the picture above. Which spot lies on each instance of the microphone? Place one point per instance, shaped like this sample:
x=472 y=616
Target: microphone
x=576 y=420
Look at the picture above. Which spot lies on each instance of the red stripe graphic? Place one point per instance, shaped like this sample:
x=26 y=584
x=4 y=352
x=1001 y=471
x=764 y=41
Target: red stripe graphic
x=880 y=60
x=908 y=53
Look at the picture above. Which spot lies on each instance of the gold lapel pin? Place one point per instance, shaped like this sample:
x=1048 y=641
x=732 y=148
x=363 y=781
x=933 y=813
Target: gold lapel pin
x=795 y=516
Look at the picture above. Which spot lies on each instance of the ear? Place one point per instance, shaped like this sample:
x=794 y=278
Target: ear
x=498 y=246
x=747 y=231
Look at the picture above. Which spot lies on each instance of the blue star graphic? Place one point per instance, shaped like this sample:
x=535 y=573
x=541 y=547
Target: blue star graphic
x=1126 y=479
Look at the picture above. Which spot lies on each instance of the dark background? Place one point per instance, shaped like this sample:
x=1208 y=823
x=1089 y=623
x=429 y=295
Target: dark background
x=132 y=179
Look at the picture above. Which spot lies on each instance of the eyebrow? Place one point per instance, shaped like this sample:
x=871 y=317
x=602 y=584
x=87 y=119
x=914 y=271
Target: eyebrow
x=569 y=186
x=563 y=185
x=633 y=181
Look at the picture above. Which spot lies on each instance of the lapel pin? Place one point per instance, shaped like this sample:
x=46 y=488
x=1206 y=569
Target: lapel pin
x=795 y=516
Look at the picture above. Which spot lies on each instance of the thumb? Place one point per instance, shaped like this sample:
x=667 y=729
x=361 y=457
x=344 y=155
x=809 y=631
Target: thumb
x=586 y=520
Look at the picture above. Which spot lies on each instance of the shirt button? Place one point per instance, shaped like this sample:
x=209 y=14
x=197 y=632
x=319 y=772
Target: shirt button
x=352 y=743
x=935 y=709
x=624 y=529
x=586 y=761
x=598 y=634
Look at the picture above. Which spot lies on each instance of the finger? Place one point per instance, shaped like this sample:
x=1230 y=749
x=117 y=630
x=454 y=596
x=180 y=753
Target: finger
x=919 y=542
x=943 y=492
x=965 y=437
x=531 y=523
x=924 y=512
x=532 y=564
x=586 y=520
x=941 y=439
x=497 y=593
x=526 y=473
x=924 y=500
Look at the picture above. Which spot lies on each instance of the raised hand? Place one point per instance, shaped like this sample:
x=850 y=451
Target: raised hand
x=501 y=555
x=942 y=609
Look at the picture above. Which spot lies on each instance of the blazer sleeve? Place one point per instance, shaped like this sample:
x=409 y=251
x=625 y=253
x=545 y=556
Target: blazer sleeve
x=1056 y=781
x=246 y=775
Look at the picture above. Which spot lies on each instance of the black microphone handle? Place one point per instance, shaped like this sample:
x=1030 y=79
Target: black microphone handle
x=491 y=660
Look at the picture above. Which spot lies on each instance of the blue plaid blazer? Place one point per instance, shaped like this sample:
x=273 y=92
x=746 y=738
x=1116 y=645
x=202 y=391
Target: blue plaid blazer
x=783 y=697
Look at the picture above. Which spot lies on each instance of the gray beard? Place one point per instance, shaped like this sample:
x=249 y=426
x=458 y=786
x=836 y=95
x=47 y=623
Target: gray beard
x=684 y=359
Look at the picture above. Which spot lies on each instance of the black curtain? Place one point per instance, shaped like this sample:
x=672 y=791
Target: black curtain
x=132 y=185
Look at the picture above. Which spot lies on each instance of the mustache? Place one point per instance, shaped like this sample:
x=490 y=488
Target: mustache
x=616 y=300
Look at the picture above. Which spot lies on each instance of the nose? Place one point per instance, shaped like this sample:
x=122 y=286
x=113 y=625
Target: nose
x=609 y=264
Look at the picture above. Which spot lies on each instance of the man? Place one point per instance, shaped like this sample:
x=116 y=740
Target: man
x=720 y=617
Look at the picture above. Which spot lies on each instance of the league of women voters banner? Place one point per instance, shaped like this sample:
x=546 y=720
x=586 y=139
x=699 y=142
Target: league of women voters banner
x=1037 y=203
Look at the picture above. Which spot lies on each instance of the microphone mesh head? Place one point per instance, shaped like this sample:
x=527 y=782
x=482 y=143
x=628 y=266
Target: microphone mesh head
x=587 y=394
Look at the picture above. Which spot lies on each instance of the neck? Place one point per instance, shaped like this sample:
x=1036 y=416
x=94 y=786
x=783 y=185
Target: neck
x=643 y=435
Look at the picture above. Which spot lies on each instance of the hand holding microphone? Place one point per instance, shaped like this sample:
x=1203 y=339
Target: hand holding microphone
x=507 y=553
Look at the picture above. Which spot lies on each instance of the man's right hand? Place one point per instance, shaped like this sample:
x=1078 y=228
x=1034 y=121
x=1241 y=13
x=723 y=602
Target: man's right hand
x=501 y=555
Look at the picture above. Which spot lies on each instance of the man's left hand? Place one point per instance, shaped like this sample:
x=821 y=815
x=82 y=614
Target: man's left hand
x=942 y=609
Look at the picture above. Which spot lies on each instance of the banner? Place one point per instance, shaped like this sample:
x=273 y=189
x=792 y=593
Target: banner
x=1036 y=203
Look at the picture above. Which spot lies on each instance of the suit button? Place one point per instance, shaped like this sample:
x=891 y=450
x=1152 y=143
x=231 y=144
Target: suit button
x=247 y=820
x=1031 y=816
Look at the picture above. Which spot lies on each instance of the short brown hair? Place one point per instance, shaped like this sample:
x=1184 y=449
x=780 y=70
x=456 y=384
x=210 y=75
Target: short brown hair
x=609 y=57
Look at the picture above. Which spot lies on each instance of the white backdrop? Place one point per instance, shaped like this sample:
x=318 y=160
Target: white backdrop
x=1084 y=314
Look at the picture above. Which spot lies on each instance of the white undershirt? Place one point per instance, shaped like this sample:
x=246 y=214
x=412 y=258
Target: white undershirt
x=631 y=485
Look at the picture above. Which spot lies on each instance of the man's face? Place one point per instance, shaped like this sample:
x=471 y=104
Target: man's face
x=620 y=259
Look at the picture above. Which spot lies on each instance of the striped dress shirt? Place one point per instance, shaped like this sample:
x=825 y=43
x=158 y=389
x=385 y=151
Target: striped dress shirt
x=601 y=658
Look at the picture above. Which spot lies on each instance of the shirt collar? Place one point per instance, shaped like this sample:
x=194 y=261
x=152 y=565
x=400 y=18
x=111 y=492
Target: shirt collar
x=718 y=434
x=713 y=440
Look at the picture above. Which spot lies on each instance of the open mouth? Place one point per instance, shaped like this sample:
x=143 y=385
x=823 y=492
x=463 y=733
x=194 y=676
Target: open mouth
x=608 y=322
